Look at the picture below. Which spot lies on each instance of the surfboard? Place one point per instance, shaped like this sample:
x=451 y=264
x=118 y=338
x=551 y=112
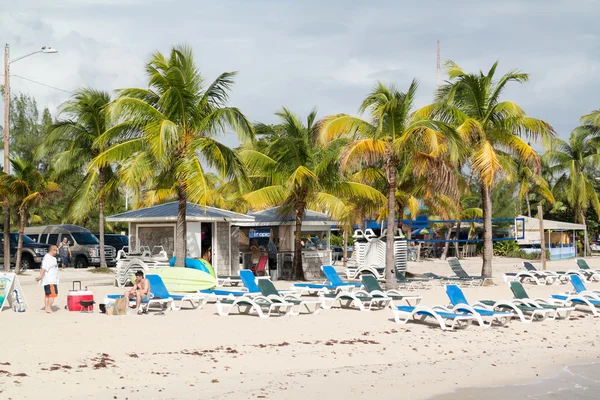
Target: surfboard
x=184 y=280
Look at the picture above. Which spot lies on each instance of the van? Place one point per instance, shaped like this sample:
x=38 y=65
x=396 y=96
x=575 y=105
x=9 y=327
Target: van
x=31 y=256
x=85 y=247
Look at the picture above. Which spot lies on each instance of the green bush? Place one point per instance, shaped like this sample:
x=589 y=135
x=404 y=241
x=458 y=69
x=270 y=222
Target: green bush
x=338 y=240
x=506 y=248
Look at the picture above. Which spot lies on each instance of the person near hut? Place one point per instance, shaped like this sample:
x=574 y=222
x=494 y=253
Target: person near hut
x=272 y=253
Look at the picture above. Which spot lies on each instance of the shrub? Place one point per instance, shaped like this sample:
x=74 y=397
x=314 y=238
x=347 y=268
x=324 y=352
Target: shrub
x=506 y=248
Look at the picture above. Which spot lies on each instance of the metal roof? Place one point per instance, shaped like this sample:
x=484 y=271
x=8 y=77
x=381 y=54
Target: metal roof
x=168 y=212
x=271 y=217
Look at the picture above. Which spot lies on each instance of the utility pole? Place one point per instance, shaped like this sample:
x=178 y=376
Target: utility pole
x=542 y=238
x=6 y=204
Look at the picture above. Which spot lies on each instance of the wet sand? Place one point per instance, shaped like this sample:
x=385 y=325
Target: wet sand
x=580 y=381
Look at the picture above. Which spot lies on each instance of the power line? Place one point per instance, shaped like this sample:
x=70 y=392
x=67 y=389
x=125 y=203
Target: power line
x=39 y=83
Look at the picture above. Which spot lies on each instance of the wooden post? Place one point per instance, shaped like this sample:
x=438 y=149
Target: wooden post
x=542 y=237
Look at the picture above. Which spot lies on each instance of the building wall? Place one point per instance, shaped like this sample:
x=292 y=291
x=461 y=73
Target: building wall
x=223 y=257
x=235 y=250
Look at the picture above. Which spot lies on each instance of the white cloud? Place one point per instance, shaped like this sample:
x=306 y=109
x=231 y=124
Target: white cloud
x=312 y=53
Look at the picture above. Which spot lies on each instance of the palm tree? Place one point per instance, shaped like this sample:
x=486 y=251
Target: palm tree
x=28 y=189
x=394 y=135
x=531 y=182
x=491 y=128
x=575 y=162
x=73 y=140
x=291 y=169
x=165 y=135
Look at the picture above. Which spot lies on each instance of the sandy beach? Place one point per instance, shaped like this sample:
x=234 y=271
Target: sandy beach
x=338 y=354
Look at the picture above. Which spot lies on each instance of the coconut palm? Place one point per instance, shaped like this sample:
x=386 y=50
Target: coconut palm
x=574 y=163
x=291 y=169
x=393 y=136
x=72 y=141
x=28 y=188
x=530 y=182
x=492 y=129
x=167 y=134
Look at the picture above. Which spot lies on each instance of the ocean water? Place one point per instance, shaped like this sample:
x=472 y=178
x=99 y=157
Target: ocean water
x=572 y=382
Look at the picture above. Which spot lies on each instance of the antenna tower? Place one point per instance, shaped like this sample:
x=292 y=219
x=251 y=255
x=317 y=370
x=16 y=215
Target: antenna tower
x=437 y=66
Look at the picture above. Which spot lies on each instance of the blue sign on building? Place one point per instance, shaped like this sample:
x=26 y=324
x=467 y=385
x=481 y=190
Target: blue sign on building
x=259 y=233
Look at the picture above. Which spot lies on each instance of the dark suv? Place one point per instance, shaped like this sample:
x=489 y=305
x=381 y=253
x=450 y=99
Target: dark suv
x=114 y=240
x=32 y=254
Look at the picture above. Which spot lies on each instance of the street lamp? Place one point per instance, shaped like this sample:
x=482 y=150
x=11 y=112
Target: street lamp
x=7 y=62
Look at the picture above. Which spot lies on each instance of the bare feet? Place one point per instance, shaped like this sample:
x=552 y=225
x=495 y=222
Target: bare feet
x=49 y=311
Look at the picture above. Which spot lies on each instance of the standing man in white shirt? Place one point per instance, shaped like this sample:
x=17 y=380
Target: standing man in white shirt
x=49 y=277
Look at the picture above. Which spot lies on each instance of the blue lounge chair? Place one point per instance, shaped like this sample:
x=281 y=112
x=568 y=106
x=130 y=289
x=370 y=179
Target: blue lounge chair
x=459 y=320
x=480 y=311
x=246 y=277
x=333 y=283
x=160 y=294
x=582 y=298
x=159 y=290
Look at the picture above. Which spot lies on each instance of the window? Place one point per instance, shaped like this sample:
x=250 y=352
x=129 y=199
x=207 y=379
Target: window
x=53 y=238
x=34 y=237
x=43 y=238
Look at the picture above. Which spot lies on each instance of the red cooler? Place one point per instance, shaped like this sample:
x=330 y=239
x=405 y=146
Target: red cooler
x=75 y=296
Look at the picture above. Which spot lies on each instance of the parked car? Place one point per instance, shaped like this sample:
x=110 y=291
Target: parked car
x=595 y=246
x=85 y=247
x=114 y=240
x=31 y=255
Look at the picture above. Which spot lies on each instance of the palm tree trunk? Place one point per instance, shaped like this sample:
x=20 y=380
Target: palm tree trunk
x=390 y=270
x=486 y=198
x=588 y=248
x=101 y=218
x=528 y=204
x=297 y=270
x=345 y=254
x=22 y=218
x=447 y=244
x=181 y=244
x=457 y=238
x=6 y=234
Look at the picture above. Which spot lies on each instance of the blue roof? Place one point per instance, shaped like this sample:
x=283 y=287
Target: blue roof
x=168 y=211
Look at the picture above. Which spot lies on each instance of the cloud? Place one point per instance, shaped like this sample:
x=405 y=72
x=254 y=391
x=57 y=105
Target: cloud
x=314 y=53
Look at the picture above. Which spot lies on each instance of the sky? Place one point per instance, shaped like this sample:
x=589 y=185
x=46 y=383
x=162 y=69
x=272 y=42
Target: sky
x=302 y=54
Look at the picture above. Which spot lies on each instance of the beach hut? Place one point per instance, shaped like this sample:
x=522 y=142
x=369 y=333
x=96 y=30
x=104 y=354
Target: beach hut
x=559 y=236
x=316 y=235
x=207 y=227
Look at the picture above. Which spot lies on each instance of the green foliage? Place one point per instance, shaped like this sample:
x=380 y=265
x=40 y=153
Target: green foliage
x=505 y=248
x=338 y=240
x=28 y=128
